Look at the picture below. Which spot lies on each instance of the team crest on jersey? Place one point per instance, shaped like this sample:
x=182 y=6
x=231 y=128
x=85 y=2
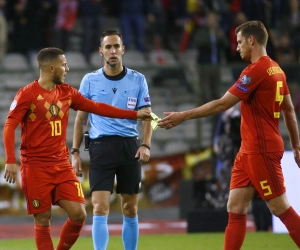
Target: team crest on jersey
x=13 y=105
x=246 y=79
x=54 y=109
x=36 y=203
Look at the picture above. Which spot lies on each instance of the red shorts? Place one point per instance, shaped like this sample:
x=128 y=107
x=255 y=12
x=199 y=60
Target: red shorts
x=262 y=171
x=45 y=186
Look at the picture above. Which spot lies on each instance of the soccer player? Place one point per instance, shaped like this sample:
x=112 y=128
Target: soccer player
x=264 y=94
x=115 y=149
x=42 y=109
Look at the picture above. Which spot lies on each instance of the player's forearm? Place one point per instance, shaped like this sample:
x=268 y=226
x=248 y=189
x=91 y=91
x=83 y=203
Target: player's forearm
x=78 y=132
x=108 y=110
x=9 y=142
x=147 y=131
x=208 y=109
x=292 y=127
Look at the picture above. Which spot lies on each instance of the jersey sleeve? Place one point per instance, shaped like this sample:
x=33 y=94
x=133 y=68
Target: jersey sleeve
x=250 y=78
x=17 y=111
x=79 y=102
x=84 y=88
x=144 y=97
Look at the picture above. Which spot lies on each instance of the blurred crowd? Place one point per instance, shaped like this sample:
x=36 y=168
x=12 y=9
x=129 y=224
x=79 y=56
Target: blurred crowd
x=26 y=26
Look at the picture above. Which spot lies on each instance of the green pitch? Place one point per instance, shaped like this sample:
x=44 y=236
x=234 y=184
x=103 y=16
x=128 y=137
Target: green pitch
x=203 y=241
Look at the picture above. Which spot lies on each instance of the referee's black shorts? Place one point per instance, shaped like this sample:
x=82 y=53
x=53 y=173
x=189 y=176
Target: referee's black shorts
x=112 y=156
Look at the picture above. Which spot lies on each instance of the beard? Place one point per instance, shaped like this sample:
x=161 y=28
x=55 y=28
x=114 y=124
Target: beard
x=57 y=79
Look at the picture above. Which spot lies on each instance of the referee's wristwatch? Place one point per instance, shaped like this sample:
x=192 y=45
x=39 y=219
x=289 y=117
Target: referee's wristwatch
x=73 y=150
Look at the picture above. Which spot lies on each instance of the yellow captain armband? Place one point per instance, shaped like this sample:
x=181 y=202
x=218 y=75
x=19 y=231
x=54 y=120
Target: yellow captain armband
x=154 y=122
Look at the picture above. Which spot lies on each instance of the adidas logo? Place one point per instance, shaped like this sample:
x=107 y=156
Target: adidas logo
x=40 y=97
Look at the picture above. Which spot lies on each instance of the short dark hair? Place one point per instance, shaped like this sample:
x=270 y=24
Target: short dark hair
x=254 y=28
x=110 y=33
x=48 y=54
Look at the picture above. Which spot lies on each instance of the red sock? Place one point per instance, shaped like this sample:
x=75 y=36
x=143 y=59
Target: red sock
x=69 y=234
x=42 y=237
x=292 y=222
x=235 y=231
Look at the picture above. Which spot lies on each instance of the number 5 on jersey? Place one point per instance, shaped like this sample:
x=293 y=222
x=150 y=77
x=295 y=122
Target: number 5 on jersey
x=279 y=97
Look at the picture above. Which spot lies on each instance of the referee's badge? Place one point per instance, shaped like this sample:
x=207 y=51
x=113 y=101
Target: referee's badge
x=131 y=102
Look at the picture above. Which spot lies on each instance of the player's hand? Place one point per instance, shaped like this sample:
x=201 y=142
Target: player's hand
x=297 y=156
x=171 y=120
x=144 y=115
x=77 y=164
x=10 y=173
x=143 y=154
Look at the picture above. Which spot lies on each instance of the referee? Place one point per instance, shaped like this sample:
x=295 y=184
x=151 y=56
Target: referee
x=115 y=148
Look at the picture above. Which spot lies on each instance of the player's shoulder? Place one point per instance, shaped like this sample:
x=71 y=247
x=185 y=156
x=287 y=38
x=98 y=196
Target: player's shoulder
x=134 y=73
x=28 y=88
x=94 y=73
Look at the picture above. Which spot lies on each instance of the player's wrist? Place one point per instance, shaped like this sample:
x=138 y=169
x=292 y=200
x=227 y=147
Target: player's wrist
x=145 y=145
x=75 y=151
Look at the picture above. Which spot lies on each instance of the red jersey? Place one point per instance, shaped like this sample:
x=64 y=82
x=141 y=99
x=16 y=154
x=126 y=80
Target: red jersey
x=44 y=115
x=262 y=87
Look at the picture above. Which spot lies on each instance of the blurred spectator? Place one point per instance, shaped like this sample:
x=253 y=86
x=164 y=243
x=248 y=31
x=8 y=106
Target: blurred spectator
x=211 y=43
x=292 y=24
x=255 y=9
x=295 y=12
x=91 y=13
x=168 y=26
x=31 y=24
x=284 y=51
x=40 y=17
x=238 y=19
x=65 y=21
x=133 y=15
x=47 y=10
x=3 y=31
x=18 y=17
x=192 y=16
x=285 y=55
x=165 y=30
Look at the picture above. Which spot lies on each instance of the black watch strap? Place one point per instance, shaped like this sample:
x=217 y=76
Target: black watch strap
x=73 y=150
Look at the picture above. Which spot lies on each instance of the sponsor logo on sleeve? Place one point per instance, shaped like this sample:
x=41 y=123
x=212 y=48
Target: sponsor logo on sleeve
x=242 y=88
x=147 y=99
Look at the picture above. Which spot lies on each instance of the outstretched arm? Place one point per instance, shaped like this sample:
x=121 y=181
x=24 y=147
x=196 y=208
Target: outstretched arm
x=211 y=108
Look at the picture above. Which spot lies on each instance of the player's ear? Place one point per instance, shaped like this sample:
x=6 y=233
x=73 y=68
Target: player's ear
x=123 y=50
x=51 y=68
x=100 y=51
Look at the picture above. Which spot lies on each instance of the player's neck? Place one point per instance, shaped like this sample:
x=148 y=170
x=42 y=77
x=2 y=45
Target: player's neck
x=113 y=71
x=46 y=84
x=258 y=53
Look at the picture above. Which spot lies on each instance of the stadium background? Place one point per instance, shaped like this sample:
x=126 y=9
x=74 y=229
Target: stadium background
x=180 y=157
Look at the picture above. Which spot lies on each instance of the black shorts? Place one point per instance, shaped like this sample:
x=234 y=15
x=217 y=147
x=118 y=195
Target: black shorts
x=112 y=156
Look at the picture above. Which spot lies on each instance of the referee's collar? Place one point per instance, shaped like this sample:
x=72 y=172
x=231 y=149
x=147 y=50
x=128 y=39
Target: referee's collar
x=116 y=77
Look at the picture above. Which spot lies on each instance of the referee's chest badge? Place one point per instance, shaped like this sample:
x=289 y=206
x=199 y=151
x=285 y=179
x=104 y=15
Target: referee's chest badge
x=131 y=102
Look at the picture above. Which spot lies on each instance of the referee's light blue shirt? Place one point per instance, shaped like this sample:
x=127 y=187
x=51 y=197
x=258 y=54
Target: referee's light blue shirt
x=130 y=92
